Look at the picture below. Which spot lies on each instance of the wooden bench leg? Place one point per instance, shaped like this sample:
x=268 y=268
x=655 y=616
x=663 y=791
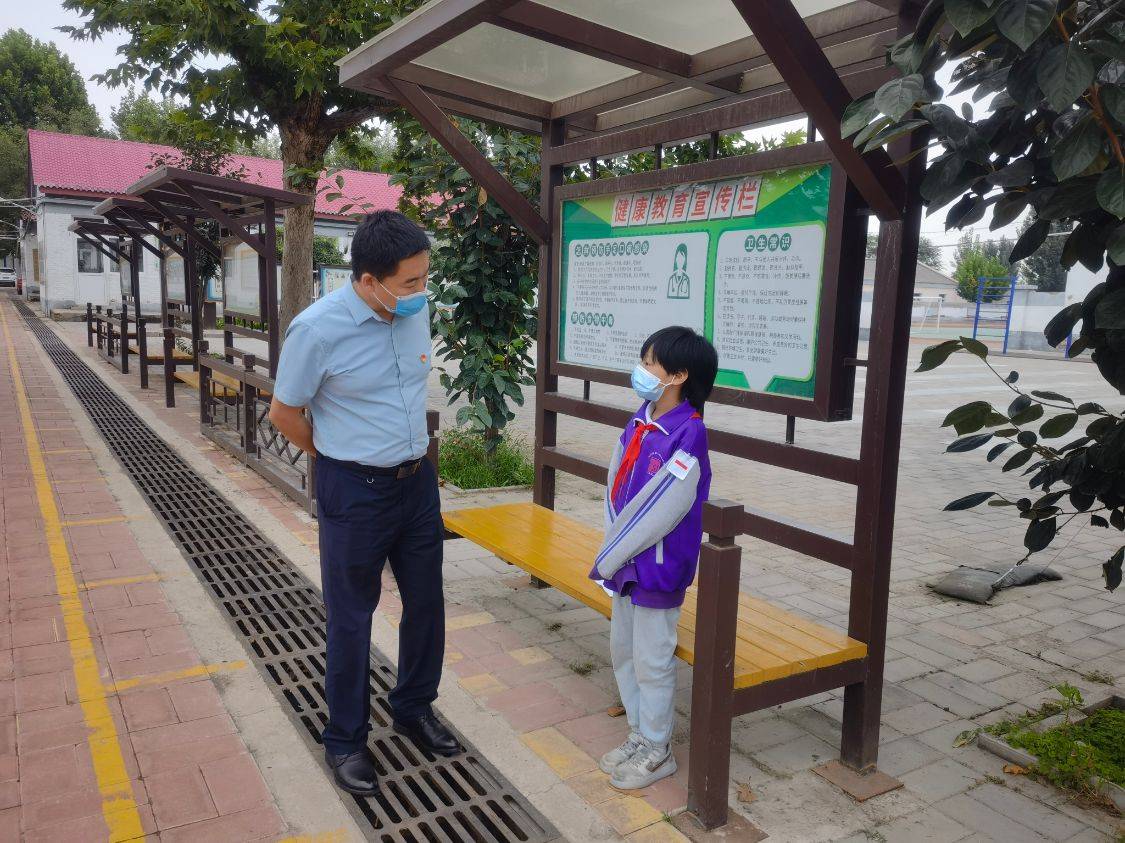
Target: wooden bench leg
x=142 y=347
x=169 y=369
x=123 y=350
x=204 y=388
x=712 y=688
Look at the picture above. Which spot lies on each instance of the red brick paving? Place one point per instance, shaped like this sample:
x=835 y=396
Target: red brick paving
x=191 y=775
x=543 y=693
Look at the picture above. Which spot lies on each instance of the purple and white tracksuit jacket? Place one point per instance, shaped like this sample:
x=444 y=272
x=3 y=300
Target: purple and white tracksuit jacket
x=654 y=526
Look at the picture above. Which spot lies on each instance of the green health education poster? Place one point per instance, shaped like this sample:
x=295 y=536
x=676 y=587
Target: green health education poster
x=740 y=260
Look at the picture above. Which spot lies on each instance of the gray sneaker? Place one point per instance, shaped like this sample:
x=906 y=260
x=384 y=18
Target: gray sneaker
x=648 y=764
x=616 y=757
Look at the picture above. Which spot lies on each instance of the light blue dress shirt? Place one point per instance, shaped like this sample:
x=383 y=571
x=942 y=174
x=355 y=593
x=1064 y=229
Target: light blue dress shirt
x=363 y=378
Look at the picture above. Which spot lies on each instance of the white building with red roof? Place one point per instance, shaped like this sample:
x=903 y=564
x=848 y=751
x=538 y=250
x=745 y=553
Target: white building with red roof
x=69 y=174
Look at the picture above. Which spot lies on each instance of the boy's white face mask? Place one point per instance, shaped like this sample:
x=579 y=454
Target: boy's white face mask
x=647 y=385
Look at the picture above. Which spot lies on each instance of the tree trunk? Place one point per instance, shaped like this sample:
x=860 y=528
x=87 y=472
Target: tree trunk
x=302 y=146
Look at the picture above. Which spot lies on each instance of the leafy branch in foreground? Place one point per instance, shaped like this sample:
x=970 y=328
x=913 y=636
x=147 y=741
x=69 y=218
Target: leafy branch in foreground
x=1046 y=143
x=1085 y=478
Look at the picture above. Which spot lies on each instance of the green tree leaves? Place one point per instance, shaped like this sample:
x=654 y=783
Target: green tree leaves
x=1087 y=472
x=483 y=268
x=1065 y=71
x=1050 y=146
x=39 y=89
x=1023 y=21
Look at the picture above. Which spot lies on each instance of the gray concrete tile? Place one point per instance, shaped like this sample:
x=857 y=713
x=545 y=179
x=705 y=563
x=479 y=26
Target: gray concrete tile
x=985 y=820
x=929 y=826
x=1043 y=818
x=941 y=779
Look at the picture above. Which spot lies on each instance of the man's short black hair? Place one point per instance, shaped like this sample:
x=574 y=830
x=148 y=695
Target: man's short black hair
x=382 y=240
x=678 y=349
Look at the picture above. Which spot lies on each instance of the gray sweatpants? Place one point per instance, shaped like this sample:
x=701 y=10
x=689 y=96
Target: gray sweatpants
x=642 y=645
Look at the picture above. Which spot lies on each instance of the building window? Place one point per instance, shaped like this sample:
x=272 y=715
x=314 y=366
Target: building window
x=89 y=258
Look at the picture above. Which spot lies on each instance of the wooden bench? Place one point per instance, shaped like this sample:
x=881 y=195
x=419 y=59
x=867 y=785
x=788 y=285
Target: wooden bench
x=156 y=358
x=771 y=643
x=753 y=654
x=222 y=386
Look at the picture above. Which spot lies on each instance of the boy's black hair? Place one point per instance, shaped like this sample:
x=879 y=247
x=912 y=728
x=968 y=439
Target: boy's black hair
x=382 y=240
x=679 y=349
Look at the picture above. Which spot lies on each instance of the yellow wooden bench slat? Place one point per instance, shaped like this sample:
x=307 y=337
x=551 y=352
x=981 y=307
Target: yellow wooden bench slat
x=219 y=383
x=771 y=643
x=774 y=643
x=156 y=354
x=538 y=554
x=760 y=654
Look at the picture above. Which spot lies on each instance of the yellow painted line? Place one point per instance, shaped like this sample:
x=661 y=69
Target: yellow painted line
x=327 y=837
x=94 y=522
x=119 y=808
x=86 y=586
x=173 y=675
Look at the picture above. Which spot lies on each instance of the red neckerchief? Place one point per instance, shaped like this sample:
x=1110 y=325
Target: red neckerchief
x=630 y=458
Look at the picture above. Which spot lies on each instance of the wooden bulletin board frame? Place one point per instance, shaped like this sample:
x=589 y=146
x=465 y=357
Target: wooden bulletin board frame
x=842 y=281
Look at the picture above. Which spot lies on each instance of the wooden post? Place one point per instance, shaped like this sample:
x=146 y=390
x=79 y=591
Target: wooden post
x=204 y=386
x=90 y=324
x=881 y=435
x=169 y=368
x=109 y=333
x=138 y=313
x=546 y=422
x=194 y=296
x=273 y=313
x=249 y=410
x=142 y=348
x=712 y=688
x=124 y=337
x=98 y=325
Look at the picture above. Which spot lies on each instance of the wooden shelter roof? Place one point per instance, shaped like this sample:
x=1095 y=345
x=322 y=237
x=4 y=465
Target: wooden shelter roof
x=192 y=194
x=605 y=65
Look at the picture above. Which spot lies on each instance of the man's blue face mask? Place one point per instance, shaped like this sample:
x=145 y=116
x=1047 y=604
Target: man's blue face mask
x=407 y=305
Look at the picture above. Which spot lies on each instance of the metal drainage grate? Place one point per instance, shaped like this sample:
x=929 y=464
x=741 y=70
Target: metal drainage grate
x=280 y=616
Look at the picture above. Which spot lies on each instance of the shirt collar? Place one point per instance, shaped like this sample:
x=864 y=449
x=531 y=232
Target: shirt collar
x=357 y=307
x=670 y=420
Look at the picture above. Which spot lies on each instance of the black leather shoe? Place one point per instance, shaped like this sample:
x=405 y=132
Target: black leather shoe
x=430 y=733
x=354 y=772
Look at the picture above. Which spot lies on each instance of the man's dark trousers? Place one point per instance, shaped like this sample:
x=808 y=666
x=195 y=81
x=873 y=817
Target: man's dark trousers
x=365 y=520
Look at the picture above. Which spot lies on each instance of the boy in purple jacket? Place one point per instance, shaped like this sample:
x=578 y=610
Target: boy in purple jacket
x=659 y=478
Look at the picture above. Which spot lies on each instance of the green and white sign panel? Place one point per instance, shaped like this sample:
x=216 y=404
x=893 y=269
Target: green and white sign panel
x=740 y=260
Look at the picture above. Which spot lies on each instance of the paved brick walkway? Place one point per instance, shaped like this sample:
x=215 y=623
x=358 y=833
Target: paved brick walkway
x=110 y=725
x=538 y=660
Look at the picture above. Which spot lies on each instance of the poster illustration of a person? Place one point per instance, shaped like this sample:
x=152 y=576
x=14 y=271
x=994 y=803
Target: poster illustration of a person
x=679 y=284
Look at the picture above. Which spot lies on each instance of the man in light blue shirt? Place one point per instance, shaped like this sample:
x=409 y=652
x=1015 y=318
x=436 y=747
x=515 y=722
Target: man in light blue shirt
x=358 y=360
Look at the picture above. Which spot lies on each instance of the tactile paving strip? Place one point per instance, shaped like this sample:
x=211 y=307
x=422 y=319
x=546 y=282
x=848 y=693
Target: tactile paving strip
x=279 y=615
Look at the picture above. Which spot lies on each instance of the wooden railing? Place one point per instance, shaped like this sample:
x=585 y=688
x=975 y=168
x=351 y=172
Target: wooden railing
x=234 y=404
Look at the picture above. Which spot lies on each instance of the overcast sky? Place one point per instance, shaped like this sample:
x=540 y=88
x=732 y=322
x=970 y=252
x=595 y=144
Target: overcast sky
x=41 y=17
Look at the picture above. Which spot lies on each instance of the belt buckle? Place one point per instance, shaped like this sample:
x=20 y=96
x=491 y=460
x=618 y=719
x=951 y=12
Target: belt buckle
x=405 y=471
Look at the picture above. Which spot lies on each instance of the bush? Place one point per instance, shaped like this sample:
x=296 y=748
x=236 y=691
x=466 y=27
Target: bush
x=464 y=461
x=976 y=265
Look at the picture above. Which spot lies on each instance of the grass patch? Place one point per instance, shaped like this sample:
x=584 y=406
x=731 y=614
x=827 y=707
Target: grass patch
x=1070 y=754
x=464 y=462
x=1098 y=676
x=582 y=668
